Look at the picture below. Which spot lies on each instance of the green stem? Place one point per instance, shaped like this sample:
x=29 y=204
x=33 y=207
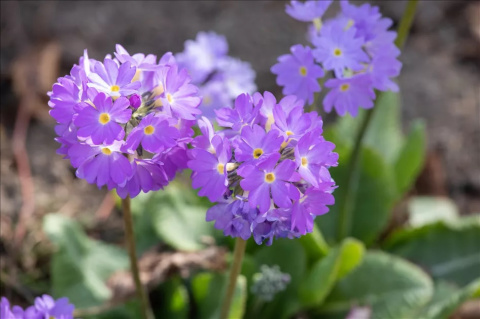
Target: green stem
x=345 y=211
x=147 y=312
x=236 y=266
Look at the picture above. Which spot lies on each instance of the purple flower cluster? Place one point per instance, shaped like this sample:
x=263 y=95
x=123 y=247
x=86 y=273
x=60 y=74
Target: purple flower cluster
x=220 y=77
x=45 y=307
x=354 y=51
x=125 y=122
x=267 y=170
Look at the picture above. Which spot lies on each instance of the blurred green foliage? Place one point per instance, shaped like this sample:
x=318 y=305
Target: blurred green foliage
x=424 y=269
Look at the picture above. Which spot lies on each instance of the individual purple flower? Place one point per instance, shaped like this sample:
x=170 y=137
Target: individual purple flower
x=64 y=96
x=237 y=75
x=256 y=144
x=382 y=69
x=274 y=223
x=15 y=312
x=338 y=49
x=347 y=95
x=102 y=121
x=311 y=154
x=102 y=164
x=307 y=11
x=235 y=218
x=138 y=60
x=47 y=307
x=298 y=73
x=267 y=102
x=244 y=113
x=304 y=211
x=204 y=141
x=292 y=125
x=149 y=175
x=112 y=79
x=214 y=97
x=220 y=77
x=202 y=55
x=154 y=133
x=210 y=170
x=362 y=18
x=268 y=177
x=180 y=97
x=174 y=160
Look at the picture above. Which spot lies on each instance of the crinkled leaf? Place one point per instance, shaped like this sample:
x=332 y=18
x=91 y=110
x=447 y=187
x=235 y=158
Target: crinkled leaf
x=423 y=210
x=447 y=250
x=389 y=285
x=290 y=256
x=327 y=271
x=81 y=265
x=373 y=198
x=447 y=299
x=176 y=216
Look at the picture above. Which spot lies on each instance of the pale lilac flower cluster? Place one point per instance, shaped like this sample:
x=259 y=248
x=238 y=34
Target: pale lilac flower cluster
x=267 y=169
x=220 y=77
x=44 y=307
x=125 y=122
x=354 y=51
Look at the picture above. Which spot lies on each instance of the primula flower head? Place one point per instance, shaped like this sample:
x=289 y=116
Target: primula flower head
x=353 y=46
x=125 y=123
x=255 y=168
x=220 y=77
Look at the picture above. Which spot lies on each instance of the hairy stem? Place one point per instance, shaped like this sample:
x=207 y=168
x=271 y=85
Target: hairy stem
x=236 y=266
x=147 y=312
x=345 y=211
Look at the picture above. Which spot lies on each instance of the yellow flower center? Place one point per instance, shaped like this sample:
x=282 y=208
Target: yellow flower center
x=303 y=71
x=257 y=153
x=104 y=118
x=337 y=52
x=269 y=177
x=207 y=99
x=220 y=168
x=106 y=151
x=148 y=130
x=304 y=161
x=289 y=133
x=344 y=87
x=115 y=88
x=169 y=98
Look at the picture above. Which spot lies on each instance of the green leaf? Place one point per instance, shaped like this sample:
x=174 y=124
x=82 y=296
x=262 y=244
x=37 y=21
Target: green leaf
x=390 y=286
x=173 y=302
x=290 y=256
x=423 y=210
x=372 y=201
x=327 y=271
x=209 y=291
x=447 y=299
x=176 y=216
x=81 y=265
x=447 y=250
x=384 y=133
x=411 y=157
x=314 y=244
